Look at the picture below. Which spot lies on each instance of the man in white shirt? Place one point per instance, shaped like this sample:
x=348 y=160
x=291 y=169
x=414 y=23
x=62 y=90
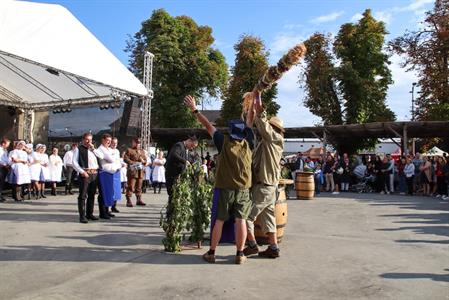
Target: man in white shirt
x=68 y=168
x=4 y=164
x=85 y=163
x=114 y=144
x=109 y=163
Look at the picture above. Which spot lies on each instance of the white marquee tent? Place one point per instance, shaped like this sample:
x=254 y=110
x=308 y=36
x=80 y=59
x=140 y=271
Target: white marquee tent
x=48 y=59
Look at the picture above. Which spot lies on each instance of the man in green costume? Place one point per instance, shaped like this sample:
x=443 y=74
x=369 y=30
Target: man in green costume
x=233 y=177
x=266 y=174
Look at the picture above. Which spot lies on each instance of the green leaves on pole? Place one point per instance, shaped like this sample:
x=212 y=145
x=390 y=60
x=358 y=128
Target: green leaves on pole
x=190 y=209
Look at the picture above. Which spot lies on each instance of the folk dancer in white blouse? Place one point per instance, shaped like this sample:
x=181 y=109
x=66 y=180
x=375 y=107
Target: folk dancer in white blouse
x=159 y=171
x=20 y=173
x=55 y=166
x=86 y=164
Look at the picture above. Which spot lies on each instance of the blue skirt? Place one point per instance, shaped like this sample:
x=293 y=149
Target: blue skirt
x=228 y=233
x=111 y=189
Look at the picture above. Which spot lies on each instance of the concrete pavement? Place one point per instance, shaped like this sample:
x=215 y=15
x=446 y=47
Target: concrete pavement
x=347 y=246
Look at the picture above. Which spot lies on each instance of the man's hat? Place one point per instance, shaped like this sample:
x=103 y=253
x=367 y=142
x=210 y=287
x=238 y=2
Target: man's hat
x=236 y=129
x=276 y=122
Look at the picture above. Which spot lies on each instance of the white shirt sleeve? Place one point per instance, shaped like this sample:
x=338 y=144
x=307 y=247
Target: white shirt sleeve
x=75 y=164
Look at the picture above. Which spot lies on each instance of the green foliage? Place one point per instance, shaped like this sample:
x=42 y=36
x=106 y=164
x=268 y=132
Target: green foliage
x=319 y=81
x=201 y=203
x=251 y=62
x=354 y=90
x=426 y=51
x=190 y=209
x=181 y=213
x=184 y=63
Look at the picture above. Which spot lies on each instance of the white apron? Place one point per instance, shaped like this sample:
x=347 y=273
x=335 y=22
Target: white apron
x=55 y=167
x=159 y=171
x=21 y=172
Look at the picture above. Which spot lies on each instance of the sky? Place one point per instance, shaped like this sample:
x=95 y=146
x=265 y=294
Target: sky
x=279 y=23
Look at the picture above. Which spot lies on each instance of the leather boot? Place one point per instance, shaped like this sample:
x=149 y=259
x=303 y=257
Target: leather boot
x=43 y=193
x=128 y=202
x=139 y=201
x=82 y=211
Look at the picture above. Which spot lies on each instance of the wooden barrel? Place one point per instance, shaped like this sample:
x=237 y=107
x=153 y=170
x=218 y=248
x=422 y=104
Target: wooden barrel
x=280 y=211
x=305 y=185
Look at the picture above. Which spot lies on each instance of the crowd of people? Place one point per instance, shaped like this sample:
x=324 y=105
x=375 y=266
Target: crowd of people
x=29 y=170
x=418 y=174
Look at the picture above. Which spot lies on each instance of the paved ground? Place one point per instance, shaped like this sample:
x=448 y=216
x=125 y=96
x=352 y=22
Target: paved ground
x=336 y=247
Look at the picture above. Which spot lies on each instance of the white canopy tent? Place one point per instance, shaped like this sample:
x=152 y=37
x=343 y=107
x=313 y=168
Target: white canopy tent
x=435 y=151
x=49 y=59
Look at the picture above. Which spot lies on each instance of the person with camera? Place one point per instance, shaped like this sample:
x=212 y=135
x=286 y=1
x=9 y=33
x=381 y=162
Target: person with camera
x=136 y=159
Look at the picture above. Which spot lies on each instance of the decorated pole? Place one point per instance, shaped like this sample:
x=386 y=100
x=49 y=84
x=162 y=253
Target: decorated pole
x=274 y=73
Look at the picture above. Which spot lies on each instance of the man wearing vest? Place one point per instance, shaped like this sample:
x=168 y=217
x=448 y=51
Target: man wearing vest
x=86 y=164
x=266 y=174
x=233 y=178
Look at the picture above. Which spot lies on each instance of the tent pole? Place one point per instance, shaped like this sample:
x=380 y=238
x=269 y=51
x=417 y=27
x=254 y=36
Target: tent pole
x=404 y=140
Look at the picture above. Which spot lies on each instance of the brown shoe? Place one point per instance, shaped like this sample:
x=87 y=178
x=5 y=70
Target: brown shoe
x=240 y=259
x=210 y=258
x=269 y=253
x=250 y=251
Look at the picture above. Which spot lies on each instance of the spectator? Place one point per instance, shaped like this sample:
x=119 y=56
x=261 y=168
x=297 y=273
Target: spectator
x=425 y=169
x=417 y=162
x=346 y=174
x=319 y=178
x=409 y=173
x=439 y=173
x=401 y=175
x=390 y=170
x=329 y=168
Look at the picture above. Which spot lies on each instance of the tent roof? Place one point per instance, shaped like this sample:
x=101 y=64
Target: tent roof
x=47 y=57
x=435 y=151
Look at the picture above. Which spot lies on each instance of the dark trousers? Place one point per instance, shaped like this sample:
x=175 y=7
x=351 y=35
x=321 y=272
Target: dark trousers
x=3 y=174
x=410 y=181
x=69 y=177
x=169 y=182
x=441 y=185
x=101 y=207
x=87 y=190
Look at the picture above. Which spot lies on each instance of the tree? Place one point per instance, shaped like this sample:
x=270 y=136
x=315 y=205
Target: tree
x=426 y=51
x=250 y=64
x=319 y=81
x=348 y=83
x=184 y=63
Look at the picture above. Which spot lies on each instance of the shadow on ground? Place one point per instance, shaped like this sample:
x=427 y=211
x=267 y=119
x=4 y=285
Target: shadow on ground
x=434 y=277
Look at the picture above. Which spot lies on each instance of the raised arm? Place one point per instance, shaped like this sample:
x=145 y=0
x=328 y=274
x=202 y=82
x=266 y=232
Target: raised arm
x=189 y=101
